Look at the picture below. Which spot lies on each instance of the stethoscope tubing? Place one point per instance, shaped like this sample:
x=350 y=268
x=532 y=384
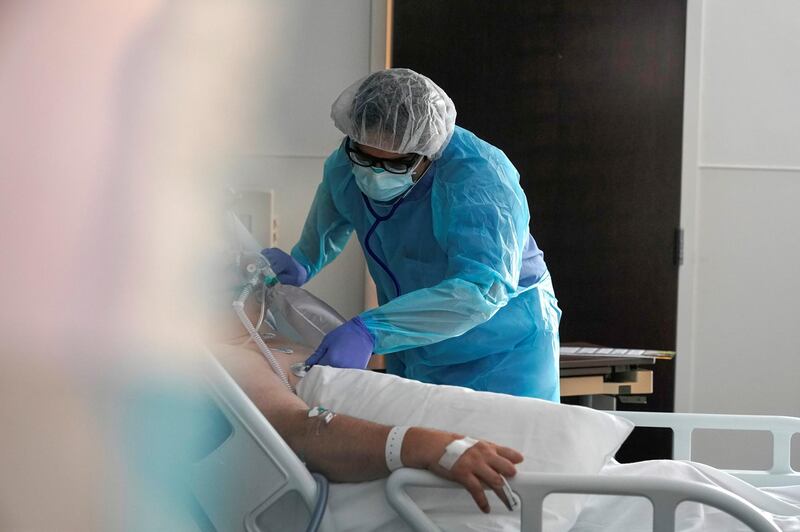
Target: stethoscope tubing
x=378 y=220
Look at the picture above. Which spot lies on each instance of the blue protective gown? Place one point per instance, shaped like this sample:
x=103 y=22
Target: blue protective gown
x=465 y=296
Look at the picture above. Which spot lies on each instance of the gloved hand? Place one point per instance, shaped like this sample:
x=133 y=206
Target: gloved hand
x=288 y=270
x=347 y=346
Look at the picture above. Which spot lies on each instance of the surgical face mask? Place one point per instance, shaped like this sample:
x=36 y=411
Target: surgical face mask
x=380 y=185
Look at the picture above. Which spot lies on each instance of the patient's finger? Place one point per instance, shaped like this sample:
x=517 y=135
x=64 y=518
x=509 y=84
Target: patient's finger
x=510 y=454
x=475 y=488
x=316 y=356
x=502 y=466
x=493 y=480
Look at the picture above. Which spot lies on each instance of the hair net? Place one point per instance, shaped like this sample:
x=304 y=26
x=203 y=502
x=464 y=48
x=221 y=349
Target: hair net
x=396 y=110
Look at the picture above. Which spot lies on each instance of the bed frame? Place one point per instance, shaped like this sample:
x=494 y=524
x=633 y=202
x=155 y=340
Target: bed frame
x=251 y=480
x=664 y=494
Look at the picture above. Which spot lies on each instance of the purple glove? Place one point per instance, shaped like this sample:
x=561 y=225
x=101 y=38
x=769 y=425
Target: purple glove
x=288 y=270
x=347 y=346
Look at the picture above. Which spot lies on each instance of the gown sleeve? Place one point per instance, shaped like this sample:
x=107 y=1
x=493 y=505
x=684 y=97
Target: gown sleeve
x=324 y=234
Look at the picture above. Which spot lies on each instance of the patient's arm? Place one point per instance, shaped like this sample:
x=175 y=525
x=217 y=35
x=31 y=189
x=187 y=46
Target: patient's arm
x=350 y=449
x=339 y=450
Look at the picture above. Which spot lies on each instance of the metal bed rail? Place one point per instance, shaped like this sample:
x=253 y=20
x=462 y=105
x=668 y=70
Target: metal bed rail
x=782 y=428
x=252 y=481
x=664 y=494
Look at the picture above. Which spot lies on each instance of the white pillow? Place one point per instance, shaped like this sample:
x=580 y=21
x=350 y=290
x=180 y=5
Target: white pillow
x=554 y=438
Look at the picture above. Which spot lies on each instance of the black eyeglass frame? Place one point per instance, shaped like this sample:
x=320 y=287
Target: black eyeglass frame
x=406 y=163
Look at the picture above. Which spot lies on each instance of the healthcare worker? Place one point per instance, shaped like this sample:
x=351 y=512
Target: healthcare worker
x=465 y=296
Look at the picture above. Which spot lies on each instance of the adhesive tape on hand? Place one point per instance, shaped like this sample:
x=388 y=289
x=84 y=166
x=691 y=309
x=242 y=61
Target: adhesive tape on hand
x=454 y=451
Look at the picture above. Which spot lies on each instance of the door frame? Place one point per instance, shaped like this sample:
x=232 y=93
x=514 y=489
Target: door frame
x=690 y=166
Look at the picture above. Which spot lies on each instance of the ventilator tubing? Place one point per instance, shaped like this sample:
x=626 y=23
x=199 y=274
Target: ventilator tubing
x=238 y=307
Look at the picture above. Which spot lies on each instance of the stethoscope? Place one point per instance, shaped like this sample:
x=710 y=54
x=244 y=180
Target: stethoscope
x=378 y=220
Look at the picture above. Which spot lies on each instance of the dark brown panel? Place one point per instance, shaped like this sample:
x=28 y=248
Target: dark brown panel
x=586 y=98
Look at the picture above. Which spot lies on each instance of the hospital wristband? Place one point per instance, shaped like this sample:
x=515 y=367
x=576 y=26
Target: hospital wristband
x=454 y=451
x=394 y=445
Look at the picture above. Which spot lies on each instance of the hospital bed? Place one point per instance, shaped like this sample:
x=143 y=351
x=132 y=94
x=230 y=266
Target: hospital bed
x=253 y=481
x=664 y=494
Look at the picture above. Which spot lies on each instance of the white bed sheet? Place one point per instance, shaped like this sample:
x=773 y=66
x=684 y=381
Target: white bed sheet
x=600 y=513
x=633 y=514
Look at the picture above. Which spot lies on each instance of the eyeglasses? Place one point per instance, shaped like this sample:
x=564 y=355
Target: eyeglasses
x=393 y=166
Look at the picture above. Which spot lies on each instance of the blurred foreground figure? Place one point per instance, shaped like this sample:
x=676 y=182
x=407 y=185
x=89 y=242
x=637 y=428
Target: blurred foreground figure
x=111 y=121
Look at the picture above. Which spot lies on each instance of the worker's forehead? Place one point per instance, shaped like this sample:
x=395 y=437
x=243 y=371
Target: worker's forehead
x=378 y=153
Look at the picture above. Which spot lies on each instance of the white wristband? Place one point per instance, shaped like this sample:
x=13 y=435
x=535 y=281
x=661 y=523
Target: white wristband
x=394 y=444
x=454 y=451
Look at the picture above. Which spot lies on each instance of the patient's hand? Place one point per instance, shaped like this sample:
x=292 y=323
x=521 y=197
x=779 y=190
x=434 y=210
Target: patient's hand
x=482 y=465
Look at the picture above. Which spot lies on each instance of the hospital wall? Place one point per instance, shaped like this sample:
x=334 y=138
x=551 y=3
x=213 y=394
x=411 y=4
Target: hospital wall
x=314 y=50
x=738 y=334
